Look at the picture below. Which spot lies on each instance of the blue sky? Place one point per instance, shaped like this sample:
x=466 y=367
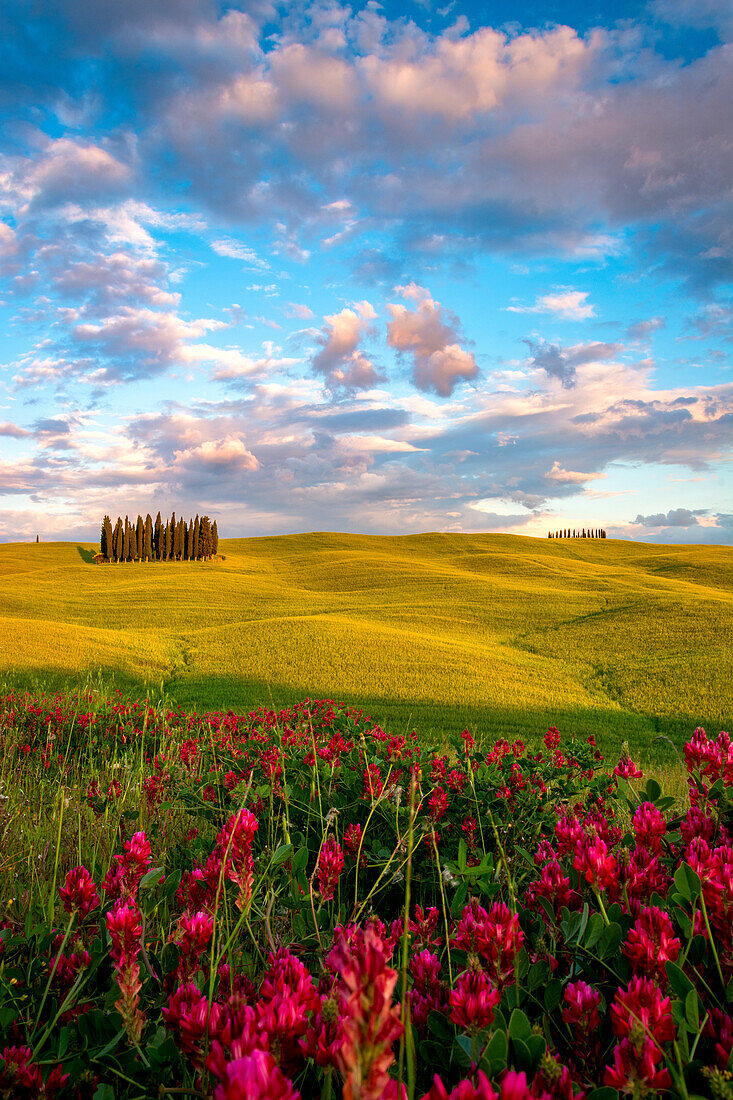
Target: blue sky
x=383 y=267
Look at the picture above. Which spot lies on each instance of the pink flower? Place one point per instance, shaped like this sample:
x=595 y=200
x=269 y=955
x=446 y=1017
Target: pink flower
x=592 y=860
x=581 y=1008
x=651 y=943
x=643 y=1004
x=555 y=887
x=123 y=879
x=234 y=850
x=370 y=1023
x=352 y=841
x=330 y=866
x=438 y=804
x=79 y=894
x=634 y=1072
x=552 y=737
x=466 y=1090
x=650 y=825
x=427 y=993
x=125 y=932
x=473 y=1000
x=21 y=1079
x=496 y=936
x=627 y=768
x=193 y=935
x=255 y=1077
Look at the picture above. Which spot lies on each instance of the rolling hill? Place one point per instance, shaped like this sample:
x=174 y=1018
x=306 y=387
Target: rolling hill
x=502 y=633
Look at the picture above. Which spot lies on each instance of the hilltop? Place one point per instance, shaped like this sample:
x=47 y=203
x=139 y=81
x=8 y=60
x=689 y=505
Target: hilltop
x=432 y=631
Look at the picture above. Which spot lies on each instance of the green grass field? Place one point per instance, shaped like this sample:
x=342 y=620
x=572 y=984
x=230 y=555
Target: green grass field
x=502 y=633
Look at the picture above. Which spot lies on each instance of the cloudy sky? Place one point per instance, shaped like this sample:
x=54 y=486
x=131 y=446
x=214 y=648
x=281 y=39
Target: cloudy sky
x=385 y=267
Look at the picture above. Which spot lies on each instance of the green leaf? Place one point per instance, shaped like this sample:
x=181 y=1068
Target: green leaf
x=519 y=1025
x=462 y=854
x=538 y=974
x=496 y=1052
x=692 y=1013
x=603 y=1093
x=522 y=1055
x=610 y=940
x=679 y=981
x=300 y=860
x=553 y=995
x=459 y=900
x=653 y=790
x=687 y=882
x=439 y=1026
x=147 y=882
x=104 y=1092
x=583 y=922
x=281 y=854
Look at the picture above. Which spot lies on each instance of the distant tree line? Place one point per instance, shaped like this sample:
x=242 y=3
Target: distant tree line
x=567 y=533
x=174 y=540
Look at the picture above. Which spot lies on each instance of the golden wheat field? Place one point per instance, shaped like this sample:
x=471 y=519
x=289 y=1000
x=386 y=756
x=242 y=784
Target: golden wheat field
x=436 y=631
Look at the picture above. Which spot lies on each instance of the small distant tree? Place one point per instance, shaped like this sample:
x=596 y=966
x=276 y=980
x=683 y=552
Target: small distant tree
x=148 y=538
x=196 y=538
x=181 y=540
x=139 y=534
x=214 y=538
x=189 y=540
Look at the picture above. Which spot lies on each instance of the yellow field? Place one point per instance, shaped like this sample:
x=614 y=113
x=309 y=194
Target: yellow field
x=500 y=632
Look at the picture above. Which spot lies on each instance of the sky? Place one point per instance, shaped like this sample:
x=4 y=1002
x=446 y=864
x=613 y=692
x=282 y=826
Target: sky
x=425 y=265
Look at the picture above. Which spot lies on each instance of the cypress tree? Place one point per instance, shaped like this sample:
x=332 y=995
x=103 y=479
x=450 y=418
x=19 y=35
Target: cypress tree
x=196 y=538
x=105 y=542
x=115 y=541
x=157 y=529
x=205 y=538
x=126 y=540
x=139 y=529
x=148 y=538
x=189 y=540
x=214 y=538
x=181 y=539
x=176 y=538
x=166 y=542
x=172 y=530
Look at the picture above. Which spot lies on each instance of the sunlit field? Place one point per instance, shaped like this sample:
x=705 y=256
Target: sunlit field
x=433 y=632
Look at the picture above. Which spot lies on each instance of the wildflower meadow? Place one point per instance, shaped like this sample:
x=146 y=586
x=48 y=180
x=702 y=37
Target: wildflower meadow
x=298 y=904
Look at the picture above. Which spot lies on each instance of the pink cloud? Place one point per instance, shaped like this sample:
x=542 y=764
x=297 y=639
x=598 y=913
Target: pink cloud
x=341 y=361
x=430 y=336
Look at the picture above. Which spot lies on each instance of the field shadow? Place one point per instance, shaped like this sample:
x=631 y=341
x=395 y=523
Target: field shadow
x=654 y=740
x=86 y=555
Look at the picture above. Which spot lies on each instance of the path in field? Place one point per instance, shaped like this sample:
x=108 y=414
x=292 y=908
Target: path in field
x=435 y=631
